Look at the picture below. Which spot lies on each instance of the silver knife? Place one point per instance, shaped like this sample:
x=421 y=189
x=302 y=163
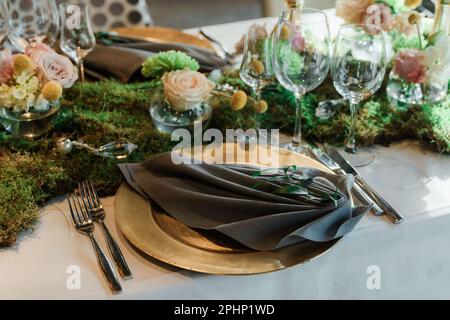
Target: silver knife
x=363 y=197
x=393 y=215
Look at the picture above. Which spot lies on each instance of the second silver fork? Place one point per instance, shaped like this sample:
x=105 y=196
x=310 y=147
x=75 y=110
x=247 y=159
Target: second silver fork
x=97 y=214
x=84 y=225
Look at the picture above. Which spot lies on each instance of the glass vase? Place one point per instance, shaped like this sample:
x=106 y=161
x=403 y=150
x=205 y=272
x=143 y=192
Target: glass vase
x=166 y=119
x=30 y=123
x=403 y=94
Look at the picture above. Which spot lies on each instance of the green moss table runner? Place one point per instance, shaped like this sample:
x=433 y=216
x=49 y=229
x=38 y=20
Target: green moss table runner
x=31 y=172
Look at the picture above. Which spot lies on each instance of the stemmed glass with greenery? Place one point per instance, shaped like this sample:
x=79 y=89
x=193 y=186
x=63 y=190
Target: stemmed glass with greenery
x=358 y=70
x=301 y=57
x=256 y=68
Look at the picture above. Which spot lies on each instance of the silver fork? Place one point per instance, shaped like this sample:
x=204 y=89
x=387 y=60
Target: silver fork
x=97 y=213
x=84 y=225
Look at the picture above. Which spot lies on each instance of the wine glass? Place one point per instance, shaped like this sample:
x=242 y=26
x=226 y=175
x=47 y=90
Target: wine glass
x=3 y=21
x=53 y=33
x=256 y=68
x=358 y=70
x=301 y=57
x=77 y=37
x=29 y=21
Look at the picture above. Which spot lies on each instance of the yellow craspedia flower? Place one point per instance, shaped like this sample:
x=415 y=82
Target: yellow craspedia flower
x=413 y=3
x=238 y=100
x=258 y=67
x=22 y=63
x=52 y=91
x=284 y=33
x=414 y=17
x=261 y=106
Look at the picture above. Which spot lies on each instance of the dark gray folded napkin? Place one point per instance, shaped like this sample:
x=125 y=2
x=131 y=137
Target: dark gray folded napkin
x=123 y=60
x=247 y=203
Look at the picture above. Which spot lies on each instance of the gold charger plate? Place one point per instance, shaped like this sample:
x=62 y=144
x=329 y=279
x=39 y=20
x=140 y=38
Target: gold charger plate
x=160 y=236
x=160 y=34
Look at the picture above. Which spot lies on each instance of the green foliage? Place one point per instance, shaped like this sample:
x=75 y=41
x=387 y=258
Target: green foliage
x=397 y=6
x=401 y=41
x=285 y=52
x=97 y=113
x=155 y=66
x=26 y=181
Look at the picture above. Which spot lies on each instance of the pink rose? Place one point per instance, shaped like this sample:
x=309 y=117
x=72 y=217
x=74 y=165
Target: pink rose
x=186 y=88
x=6 y=65
x=378 y=15
x=352 y=10
x=36 y=49
x=55 y=67
x=409 y=65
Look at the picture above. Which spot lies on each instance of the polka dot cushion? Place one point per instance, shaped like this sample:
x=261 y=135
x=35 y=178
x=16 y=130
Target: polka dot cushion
x=107 y=14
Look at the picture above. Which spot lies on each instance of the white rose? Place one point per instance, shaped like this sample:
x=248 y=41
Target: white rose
x=186 y=88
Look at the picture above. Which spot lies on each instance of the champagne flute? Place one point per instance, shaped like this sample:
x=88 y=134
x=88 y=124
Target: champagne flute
x=77 y=37
x=358 y=70
x=301 y=57
x=256 y=68
x=29 y=22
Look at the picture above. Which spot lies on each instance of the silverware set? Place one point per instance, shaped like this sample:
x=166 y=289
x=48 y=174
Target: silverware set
x=85 y=209
x=331 y=158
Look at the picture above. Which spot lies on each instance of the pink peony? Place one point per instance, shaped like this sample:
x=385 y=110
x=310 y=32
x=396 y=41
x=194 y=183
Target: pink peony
x=409 y=65
x=6 y=65
x=352 y=10
x=35 y=50
x=378 y=15
x=55 y=67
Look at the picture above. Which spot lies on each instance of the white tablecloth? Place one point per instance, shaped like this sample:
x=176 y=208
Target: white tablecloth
x=412 y=259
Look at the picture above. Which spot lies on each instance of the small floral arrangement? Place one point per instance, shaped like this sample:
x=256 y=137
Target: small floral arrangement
x=430 y=64
x=34 y=79
x=184 y=87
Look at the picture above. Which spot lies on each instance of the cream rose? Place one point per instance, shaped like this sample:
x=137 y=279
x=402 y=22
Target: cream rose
x=55 y=67
x=186 y=88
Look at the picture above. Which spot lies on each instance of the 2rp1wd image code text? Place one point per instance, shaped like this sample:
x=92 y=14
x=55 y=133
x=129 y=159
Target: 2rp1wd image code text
x=225 y=309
